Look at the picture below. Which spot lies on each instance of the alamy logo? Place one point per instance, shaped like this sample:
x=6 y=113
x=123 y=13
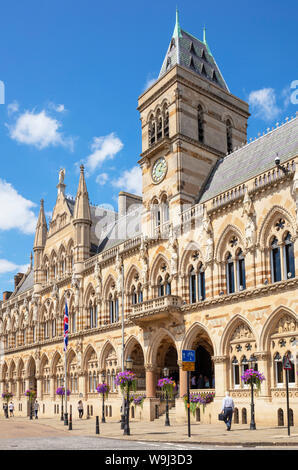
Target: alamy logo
x=294 y=95
x=2 y=92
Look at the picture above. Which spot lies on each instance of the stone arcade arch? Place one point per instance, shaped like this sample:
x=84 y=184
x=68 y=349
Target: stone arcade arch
x=161 y=353
x=199 y=340
x=134 y=350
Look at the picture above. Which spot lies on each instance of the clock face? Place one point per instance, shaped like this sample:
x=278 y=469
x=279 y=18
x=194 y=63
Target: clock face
x=159 y=170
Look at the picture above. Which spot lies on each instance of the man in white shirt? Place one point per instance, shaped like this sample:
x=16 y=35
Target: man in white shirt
x=227 y=409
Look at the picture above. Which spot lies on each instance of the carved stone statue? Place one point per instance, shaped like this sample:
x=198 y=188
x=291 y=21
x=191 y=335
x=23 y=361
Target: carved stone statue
x=75 y=284
x=61 y=176
x=208 y=236
x=55 y=297
x=118 y=266
x=295 y=191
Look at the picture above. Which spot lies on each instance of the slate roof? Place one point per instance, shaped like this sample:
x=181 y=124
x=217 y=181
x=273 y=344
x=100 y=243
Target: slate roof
x=252 y=159
x=26 y=284
x=190 y=52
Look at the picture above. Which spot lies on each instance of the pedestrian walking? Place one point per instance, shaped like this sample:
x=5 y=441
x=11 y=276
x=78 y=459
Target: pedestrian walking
x=11 y=408
x=36 y=408
x=5 y=408
x=227 y=410
x=80 y=409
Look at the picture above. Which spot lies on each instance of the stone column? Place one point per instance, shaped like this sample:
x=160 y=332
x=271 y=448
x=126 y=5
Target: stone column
x=18 y=388
x=182 y=380
x=52 y=386
x=82 y=384
x=264 y=368
x=39 y=387
x=220 y=375
x=150 y=381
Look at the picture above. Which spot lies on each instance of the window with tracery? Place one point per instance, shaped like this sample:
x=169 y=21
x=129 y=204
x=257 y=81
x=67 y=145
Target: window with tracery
x=196 y=282
x=282 y=256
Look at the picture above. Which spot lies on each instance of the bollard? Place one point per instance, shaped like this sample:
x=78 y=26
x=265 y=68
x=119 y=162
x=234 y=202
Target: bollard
x=70 y=422
x=97 y=425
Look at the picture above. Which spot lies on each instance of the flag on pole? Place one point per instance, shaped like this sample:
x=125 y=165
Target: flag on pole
x=65 y=326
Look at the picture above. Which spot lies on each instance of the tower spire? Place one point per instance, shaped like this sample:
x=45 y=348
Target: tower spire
x=177 y=29
x=41 y=228
x=205 y=41
x=82 y=221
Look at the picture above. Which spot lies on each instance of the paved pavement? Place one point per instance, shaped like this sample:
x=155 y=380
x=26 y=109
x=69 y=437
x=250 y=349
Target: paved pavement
x=144 y=432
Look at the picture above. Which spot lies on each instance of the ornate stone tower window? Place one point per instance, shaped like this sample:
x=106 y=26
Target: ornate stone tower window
x=229 y=136
x=200 y=124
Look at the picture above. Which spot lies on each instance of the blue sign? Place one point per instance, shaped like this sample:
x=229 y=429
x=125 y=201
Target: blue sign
x=188 y=355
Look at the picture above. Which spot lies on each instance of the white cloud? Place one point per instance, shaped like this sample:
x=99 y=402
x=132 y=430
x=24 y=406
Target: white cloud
x=9 y=267
x=130 y=181
x=12 y=108
x=103 y=148
x=102 y=178
x=59 y=108
x=264 y=105
x=39 y=130
x=16 y=211
x=149 y=83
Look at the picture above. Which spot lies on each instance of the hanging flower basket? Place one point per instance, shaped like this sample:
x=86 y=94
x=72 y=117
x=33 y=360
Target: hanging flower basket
x=103 y=389
x=127 y=380
x=167 y=385
x=61 y=391
x=31 y=394
x=254 y=377
x=198 y=399
x=7 y=396
x=138 y=400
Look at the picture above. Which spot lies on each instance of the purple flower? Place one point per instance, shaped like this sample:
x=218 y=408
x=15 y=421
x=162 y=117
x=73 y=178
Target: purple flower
x=122 y=378
x=103 y=388
x=61 y=391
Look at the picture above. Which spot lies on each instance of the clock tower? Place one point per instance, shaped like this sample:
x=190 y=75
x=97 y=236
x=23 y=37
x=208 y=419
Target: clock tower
x=190 y=121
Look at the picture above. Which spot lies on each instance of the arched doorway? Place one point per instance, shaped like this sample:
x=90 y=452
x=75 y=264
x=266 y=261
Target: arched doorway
x=135 y=351
x=166 y=356
x=199 y=341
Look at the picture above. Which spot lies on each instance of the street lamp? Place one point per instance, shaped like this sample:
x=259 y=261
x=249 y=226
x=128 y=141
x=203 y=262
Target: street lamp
x=103 y=419
x=166 y=373
x=253 y=361
x=128 y=366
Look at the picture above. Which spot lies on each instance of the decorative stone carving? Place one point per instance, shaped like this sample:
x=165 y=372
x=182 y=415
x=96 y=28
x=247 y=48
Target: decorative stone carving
x=242 y=332
x=208 y=237
x=250 y=225
x=173 y=247
x=286 y=324
x=61 y=176
x=118 y=267
x=143 y=256
x=75 y=284
x=55 y=297
x=295 y=191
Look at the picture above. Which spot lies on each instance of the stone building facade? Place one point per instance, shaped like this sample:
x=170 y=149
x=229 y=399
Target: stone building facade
x=208 y=258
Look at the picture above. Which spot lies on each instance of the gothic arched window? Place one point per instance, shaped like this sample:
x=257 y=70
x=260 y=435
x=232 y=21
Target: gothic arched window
x=289 y=257
x=275 y=261
x=113 y=309
x=230 y=274
x=240 y=263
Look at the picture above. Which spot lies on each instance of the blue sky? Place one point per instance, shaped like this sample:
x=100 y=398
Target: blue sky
x=73 y=71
